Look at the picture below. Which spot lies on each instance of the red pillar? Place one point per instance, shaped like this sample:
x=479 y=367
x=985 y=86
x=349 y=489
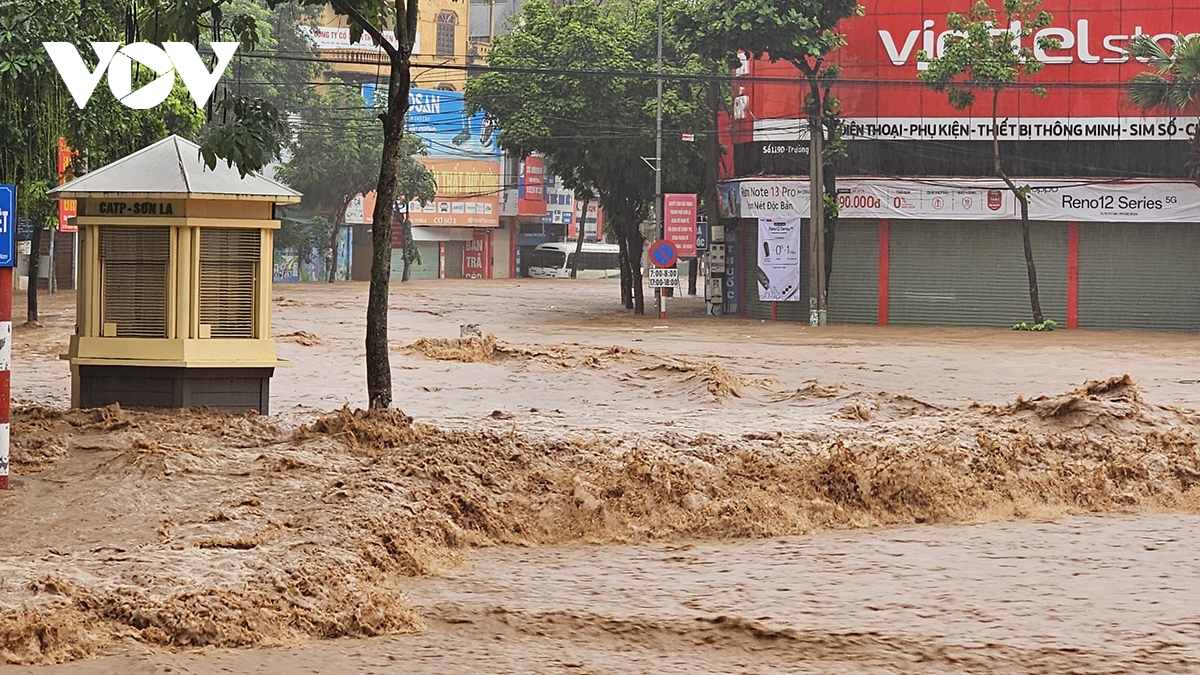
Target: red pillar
x=884 y=261
x=6 y=294
x=1072 y=275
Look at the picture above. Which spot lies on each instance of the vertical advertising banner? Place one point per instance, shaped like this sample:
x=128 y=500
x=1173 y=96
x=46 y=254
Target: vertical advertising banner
x=779 y=259
x=532 y=188
x=67 y=208
x=679 y=223
x=477 y=254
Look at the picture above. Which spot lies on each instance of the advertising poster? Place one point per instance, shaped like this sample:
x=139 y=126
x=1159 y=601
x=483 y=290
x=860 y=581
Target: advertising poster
x=778 y=273
x=441 y=119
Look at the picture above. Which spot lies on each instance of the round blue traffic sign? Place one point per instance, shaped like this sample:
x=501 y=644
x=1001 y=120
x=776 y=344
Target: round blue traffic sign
x=662 y=253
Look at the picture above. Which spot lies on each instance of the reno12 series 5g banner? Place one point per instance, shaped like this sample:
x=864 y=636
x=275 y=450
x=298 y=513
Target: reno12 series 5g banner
x=779 y=259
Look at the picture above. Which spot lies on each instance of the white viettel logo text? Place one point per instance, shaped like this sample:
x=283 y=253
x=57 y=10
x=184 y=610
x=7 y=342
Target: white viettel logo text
x=1079 y=44
x=117 y=61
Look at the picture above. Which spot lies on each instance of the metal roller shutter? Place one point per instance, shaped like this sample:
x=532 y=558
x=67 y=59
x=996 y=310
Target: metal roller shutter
x=428 y=267
x=784 y=311
x=133 y=271
x=854 y=283
x=1139 y=276
x=454 y=259
x=973 y=273
x=229 y=262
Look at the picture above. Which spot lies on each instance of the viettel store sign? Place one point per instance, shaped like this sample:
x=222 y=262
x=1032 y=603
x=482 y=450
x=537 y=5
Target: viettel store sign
x=1087 y=97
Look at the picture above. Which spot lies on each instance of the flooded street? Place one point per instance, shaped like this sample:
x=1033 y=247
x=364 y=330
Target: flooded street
x=587 y=491
x=1084 y=595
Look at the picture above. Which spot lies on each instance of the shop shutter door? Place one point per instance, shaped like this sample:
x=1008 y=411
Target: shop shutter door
x=454 y=259
x=428 y=267
x=973 y=273
x=133 y=268
x=854 y=283
x=229 y=262
x=785 y=311
x=1139 y=276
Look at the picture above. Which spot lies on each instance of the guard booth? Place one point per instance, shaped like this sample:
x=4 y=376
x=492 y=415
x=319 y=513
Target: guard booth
x=174 y=282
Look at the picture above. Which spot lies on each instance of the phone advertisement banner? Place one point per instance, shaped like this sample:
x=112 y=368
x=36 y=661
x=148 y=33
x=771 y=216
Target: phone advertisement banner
x=778 y=274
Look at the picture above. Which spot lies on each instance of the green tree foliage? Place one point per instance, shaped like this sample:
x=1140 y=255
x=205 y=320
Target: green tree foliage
x=415 y=183
x=336 y=150
x=594 y=130
x=803 y=33
x=36 y=110
x=980 y=58
x=1172 y=83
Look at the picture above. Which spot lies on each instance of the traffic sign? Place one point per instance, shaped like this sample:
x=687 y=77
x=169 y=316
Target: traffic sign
x=662 y=254
x=663 y=277
x=8 y=225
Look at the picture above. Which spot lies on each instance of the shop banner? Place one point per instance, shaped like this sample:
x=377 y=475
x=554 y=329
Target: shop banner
x=679 y=223
x=778 y=271
x=1060 y=200
x=467 y=194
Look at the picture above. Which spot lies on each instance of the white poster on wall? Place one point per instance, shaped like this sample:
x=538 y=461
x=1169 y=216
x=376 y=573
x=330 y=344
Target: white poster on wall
x=778 y=259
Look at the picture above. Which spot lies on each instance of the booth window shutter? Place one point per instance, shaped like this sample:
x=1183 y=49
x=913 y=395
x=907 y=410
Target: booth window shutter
x=229 y=261
x=133 y=269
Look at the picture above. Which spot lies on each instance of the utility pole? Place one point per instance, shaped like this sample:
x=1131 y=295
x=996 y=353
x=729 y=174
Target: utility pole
x=659 y=295
x=816 y=222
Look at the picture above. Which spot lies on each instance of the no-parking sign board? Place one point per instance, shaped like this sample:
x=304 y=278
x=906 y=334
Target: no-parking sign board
x=8 y=225
x=662 y=254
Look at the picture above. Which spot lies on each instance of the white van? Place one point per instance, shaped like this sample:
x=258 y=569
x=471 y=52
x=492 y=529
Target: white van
x=554 y=261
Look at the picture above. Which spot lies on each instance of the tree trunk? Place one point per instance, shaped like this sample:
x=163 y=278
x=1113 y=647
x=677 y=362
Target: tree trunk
x=579 y=240
x=379 y=370
x=1035 y=302
x=830 y=181
x=333 y=240
x=693 y=272
x=635 y=254
x=626 y=268
x=35 y=255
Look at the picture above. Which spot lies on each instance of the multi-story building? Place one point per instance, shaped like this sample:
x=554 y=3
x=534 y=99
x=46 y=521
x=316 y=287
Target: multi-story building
x=928 y=234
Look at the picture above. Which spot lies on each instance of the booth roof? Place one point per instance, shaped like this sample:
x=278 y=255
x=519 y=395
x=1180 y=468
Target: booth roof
x=173 y=168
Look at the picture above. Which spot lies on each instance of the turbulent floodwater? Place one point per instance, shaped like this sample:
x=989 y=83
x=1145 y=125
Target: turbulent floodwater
x=1113 y=594
x=534 y=513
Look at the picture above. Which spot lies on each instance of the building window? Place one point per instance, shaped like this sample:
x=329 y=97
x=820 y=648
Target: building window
x=447 y=22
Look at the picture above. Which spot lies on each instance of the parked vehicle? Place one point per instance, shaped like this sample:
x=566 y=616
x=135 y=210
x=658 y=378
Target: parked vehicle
x=554 y=261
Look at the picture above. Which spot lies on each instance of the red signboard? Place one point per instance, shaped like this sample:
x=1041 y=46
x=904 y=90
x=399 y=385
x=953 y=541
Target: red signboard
x=881 y=97
x=679 y=224
x=532 y=201
x=477 y=256
x=67 y=208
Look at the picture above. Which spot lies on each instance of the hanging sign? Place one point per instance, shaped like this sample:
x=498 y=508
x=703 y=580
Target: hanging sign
x=778 y=271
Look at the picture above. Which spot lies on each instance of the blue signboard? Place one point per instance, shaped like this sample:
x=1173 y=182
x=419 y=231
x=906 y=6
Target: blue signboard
x=440 y=119
x=8 y=225
x=702 y=235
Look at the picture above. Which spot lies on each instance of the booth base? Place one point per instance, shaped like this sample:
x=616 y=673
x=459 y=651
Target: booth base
x=231 y=389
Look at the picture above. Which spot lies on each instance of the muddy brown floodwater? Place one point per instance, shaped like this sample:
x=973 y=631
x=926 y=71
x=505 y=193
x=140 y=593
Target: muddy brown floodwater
x=587 y=491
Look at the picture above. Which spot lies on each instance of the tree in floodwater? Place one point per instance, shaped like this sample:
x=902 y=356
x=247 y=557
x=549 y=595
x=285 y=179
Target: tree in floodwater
x=978 y=58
